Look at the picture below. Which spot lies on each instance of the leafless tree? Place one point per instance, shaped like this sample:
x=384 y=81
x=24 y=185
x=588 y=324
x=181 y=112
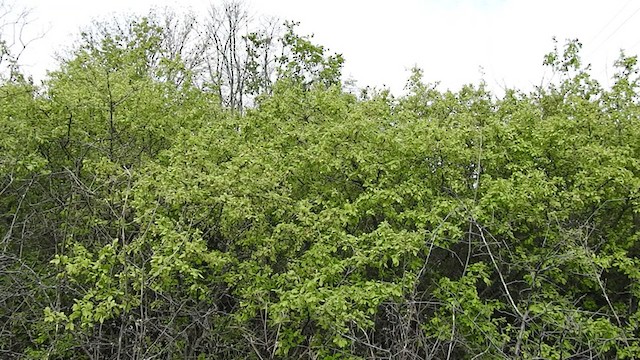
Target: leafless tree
x=241 y=57
x=227 y=69
x=183 y=40
x=14 y=21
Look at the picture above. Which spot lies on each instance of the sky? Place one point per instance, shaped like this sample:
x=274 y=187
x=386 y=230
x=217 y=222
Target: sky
x=455 y=42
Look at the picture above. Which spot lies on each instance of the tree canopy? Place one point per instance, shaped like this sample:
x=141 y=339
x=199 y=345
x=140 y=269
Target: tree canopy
x=153 y=205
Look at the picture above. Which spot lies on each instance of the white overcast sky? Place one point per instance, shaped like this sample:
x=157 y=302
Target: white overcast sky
x=380 y=39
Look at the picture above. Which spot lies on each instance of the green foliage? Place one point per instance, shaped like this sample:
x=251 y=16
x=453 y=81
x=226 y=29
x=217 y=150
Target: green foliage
x=142 y=220
x=305 y=63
